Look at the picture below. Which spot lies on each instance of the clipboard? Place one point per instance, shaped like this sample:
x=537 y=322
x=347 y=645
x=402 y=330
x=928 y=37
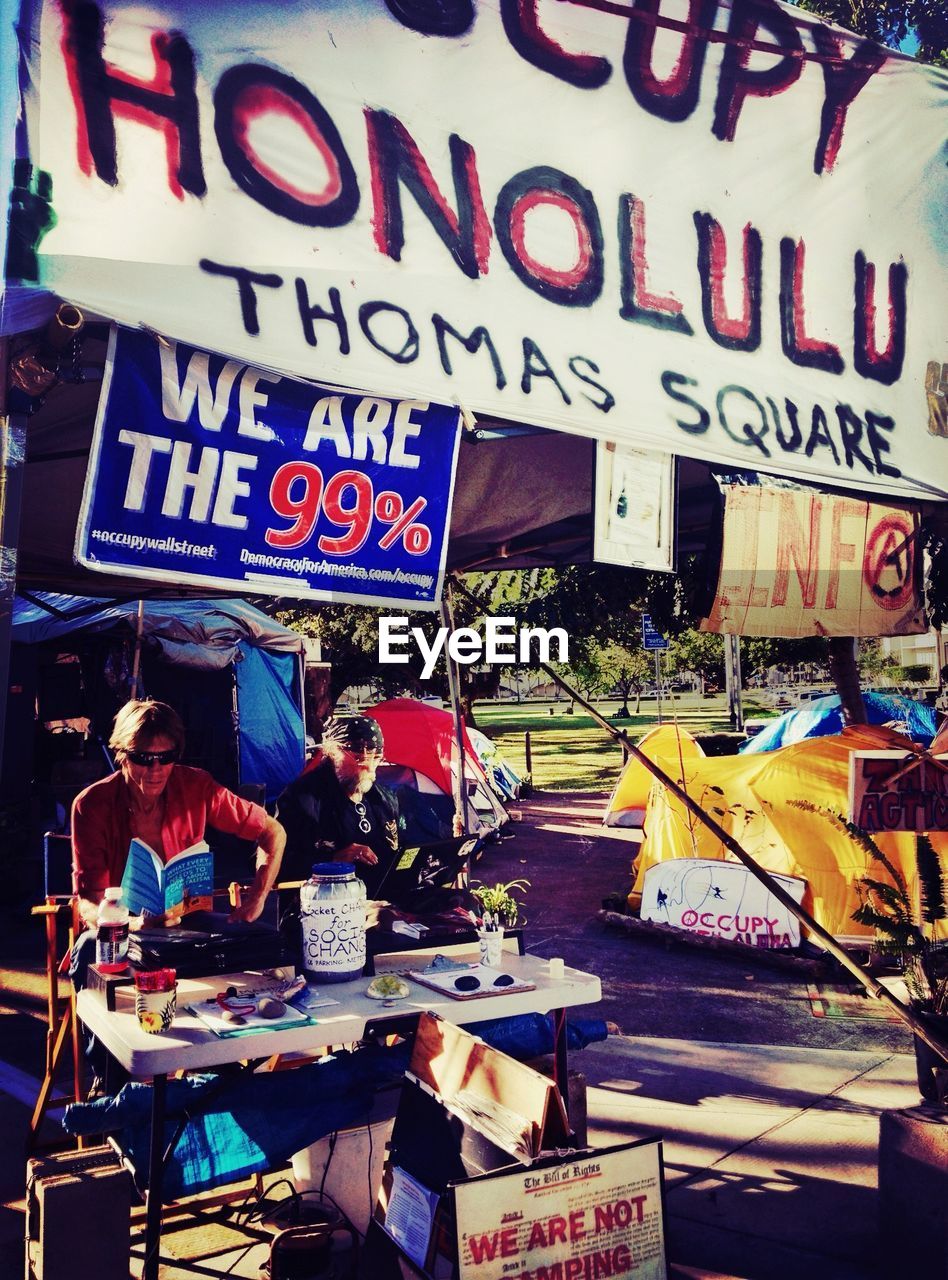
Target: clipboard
x=487 y=980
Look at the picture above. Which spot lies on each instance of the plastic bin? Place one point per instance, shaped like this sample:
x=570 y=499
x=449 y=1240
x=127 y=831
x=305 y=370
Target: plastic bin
x=351 y=1161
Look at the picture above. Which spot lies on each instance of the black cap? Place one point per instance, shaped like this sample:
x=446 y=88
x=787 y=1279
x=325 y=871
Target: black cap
x=355 y=733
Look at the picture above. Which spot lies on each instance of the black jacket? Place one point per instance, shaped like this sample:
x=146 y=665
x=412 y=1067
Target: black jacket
x=319 y=819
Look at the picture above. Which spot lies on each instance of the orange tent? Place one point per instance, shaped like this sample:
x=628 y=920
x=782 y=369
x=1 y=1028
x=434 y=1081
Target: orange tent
x=668 y=745
x=776 y=806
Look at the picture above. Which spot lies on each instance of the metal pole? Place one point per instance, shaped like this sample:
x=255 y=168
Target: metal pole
x=732 y=680
x=658 y=682
x=12 y=459
x=137 y=657
x=828 y=941
x=454 y=690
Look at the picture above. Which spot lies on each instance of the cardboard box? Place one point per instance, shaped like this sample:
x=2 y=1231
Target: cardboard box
x=78 y=1209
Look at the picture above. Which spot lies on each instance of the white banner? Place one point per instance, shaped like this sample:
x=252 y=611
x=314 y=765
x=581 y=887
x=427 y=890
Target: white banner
x=704 y=227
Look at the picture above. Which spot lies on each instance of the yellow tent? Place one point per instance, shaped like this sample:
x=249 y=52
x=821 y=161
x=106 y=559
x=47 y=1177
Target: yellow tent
x=756 y=799
x=667 y=744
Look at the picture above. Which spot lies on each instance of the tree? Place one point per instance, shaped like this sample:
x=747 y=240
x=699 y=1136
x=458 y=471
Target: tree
x=873 y=662
x=626 y=668
x=701 y=652
x=594 y=604
x=585 y=671
x=892 y=23
x=758 y=653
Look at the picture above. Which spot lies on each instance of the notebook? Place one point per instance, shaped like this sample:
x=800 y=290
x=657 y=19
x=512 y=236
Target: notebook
x=427 y=866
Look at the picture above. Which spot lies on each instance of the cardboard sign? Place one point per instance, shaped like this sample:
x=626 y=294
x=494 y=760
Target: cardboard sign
x=799 y=563
x=882 y=800
x=720 y=900
x=599 y=1214
x=209 y=472
x=678 y=226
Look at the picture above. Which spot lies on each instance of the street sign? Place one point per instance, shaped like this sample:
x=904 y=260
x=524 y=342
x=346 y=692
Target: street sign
x=652 y=639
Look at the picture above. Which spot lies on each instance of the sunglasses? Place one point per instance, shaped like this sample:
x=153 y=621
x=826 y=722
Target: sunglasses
x=147 y=758
x=467 y=982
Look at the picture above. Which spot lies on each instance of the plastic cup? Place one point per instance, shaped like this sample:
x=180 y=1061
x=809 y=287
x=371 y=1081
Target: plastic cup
x=492 y=945
x=156 y=999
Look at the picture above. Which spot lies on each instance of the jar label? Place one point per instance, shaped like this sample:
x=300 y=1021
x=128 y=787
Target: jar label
x=334 y=937
x=111 y=943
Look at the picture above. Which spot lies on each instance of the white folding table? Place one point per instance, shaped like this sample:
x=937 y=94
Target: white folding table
x=189 y=1045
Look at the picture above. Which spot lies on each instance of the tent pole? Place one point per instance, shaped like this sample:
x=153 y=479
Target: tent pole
x=137 y=659
x=454 y=689
x=12 y=459
x=826 y=939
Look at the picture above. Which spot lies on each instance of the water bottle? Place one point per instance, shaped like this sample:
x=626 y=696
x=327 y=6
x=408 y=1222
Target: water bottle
x=332 y=914
x=111 y=941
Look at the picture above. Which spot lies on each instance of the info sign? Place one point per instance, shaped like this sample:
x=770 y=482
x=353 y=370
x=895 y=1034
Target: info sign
x=798 y=562
x=898 y=791
x=207 y=472
x=598 y=1215
x=652 y=639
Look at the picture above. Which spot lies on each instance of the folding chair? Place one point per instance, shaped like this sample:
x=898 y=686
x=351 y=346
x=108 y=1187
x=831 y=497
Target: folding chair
x=62 y=1021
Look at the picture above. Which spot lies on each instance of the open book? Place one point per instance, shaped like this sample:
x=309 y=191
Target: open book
x=184 y=883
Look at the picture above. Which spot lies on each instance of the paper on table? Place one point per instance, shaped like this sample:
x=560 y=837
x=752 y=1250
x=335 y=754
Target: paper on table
x=211 y=1014
x=410 y=1215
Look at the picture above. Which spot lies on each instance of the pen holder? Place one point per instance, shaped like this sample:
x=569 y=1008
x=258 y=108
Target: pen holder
x=491 y=945
x=156 y=999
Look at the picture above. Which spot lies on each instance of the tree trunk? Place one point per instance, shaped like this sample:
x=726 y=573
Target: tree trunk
x=845 y=675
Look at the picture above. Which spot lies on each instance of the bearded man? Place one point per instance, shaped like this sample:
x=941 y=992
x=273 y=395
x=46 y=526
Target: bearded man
x=335 y=811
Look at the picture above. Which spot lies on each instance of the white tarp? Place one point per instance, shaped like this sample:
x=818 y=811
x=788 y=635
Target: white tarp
x=701 y=227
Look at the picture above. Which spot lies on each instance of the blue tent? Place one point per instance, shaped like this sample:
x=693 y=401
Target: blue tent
x=258 y=660
x=823 y=716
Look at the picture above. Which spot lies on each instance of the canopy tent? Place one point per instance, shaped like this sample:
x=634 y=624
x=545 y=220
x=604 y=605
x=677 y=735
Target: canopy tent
x=824 y=716
x=627 y=804
x=232 y=672
x=421 y=738
x=776 y=805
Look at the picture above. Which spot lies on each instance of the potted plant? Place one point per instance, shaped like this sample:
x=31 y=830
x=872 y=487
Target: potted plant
x=906 y=934
x=499 y=902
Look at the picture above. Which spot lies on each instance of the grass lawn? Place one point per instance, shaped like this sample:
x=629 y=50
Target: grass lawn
x=573 y=752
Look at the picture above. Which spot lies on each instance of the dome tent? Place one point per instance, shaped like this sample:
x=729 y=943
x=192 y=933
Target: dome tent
x=420 y=740
x=824 y=716
x=232 y=673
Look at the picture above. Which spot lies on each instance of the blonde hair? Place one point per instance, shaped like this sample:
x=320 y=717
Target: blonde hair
x=140 y=721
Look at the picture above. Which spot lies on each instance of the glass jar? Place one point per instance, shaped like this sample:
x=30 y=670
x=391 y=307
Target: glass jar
x=332 y=917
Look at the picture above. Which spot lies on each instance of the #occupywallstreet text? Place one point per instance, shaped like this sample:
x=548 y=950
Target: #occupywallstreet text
x=768 y=422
